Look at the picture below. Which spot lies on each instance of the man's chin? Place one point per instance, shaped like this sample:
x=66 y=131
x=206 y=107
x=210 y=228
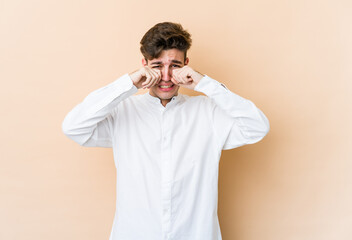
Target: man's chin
x=165 y=95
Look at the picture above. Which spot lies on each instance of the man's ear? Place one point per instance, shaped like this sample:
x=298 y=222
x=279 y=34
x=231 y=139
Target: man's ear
x=144 y=62
x=186 y=61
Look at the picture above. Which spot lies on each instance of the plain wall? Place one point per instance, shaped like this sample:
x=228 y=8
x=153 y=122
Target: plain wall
x=291 y=58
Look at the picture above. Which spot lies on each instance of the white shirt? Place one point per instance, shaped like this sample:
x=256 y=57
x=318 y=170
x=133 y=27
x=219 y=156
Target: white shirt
x=166 y=158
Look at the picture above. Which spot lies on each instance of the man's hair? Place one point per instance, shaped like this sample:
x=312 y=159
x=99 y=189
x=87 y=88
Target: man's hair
x=164 y=36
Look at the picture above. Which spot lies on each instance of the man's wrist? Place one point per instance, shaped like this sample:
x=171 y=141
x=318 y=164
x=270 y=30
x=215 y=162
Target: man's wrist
x=209 y=86
x=197 y=77
x=135 y=77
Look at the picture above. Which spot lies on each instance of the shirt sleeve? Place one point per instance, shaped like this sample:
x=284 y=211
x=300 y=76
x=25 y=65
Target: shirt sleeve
x=90 y=123
x=236 y=120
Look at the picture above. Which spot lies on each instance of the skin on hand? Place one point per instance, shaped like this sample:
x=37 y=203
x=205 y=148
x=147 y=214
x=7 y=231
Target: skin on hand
x=169 y=69
x=186 y=77
x=145 y=77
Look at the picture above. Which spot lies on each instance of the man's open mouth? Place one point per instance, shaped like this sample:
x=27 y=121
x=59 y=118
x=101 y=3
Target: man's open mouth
x=166 y=88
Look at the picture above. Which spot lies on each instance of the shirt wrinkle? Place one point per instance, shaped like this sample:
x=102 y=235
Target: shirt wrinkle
x=157 y=102
x=166 y=158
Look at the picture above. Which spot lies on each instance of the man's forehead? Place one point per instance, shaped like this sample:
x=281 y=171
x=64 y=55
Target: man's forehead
x=169 y=56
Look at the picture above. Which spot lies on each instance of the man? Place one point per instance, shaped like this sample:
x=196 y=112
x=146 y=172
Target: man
x=166 y=145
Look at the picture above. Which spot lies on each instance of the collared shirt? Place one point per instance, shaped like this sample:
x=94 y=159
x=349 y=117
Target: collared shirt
x=166 y=158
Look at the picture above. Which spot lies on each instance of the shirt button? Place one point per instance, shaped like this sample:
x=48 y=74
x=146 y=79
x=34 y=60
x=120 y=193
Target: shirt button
x=223 y=85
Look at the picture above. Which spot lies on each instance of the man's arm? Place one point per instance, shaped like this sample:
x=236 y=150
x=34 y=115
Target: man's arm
x=237 y=121
x=90 y=122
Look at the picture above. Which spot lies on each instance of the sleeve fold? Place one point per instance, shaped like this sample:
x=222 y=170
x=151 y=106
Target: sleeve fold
x=237 y=121
x=90 y=122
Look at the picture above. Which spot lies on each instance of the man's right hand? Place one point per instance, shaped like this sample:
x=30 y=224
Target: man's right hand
x=145 y=77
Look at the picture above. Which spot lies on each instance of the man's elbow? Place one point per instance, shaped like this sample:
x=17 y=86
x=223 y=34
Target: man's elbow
x=74 y=134
x=65 y=128
x=260 y=132
x=68 y=130
x=265 y=128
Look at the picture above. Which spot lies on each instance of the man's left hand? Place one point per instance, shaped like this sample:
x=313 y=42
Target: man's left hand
x=186 y=77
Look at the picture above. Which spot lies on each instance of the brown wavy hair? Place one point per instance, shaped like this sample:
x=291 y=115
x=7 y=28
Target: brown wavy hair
x=164 y=36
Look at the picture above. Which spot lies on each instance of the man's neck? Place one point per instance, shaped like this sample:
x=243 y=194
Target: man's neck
x=165 y=101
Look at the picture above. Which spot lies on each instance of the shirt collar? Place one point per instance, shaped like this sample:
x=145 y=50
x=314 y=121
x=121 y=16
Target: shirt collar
x=157 y=101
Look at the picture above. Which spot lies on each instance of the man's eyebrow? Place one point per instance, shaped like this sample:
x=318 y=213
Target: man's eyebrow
x=174 y=61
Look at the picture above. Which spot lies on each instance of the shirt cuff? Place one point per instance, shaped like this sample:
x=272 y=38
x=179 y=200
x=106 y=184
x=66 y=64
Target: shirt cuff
x=125 y=82
x=208 y=86
x=107 y=94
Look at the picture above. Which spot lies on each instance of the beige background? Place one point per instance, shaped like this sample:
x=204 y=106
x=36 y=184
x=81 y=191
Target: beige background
x=293 y=59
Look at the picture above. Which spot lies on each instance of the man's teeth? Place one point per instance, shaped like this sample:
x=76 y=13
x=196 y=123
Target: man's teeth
x=165 y=86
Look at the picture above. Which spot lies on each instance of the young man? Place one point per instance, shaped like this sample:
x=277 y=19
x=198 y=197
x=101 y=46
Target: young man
x=166 y=145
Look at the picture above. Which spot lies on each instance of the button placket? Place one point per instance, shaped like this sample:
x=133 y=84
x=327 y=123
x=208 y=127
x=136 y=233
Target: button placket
x=166 y=175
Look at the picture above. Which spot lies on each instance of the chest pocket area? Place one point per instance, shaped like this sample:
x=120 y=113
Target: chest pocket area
x=190 y=142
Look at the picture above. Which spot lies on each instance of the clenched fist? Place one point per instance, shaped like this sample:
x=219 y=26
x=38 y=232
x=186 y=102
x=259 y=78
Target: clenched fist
x=186 y=77
x=145 y=77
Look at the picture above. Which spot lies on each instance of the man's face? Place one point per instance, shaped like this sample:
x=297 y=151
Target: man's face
x=169 y=60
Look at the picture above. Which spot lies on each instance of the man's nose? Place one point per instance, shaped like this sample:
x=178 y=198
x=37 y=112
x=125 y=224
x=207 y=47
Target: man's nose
x=166 y=74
